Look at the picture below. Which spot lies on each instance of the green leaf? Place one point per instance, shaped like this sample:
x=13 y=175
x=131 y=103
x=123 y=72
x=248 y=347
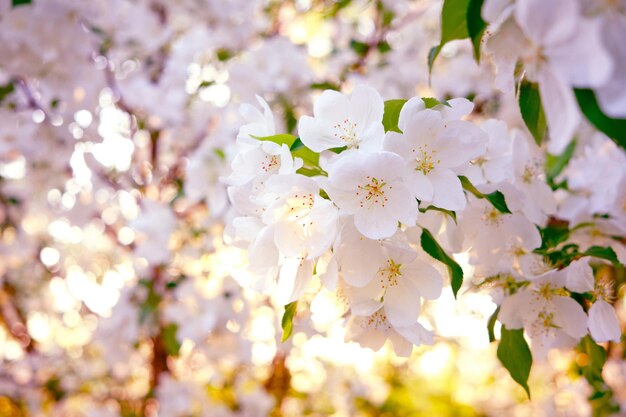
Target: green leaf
x=453 y=26
x=431 y=247
x=496 y=198
x=6 y=90
x=16 y=3
x=532 y=112
x=553 y=235
x=556 y=163
x=171 y=344
x=431 y=102
x=383 y=47
x=450 y=213
x=514 y=354
x=606 y=253
x=613 y=128
x=392 y=114
x=325 y=85
x=475 y=25
x=287 y=321
x=310 y=158
x=491 y=324
x=359 y=47
x=282 y=138
x=432 y=55
x=594 y=361
x=224 y=54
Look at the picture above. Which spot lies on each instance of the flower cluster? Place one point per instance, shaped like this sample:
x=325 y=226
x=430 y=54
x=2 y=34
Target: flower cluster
x=362 y=198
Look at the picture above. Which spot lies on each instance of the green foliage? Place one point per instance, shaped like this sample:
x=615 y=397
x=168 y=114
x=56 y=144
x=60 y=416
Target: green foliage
x=281 y=138
x=17 y=3
x=6 y=90
x=514 y=354
x=555 y=164
x=360 y=48
x=606 y=253
x=552 y=235
x=151 y=303
x=590 y=365
x=431 y=247
x=298 y=150
x=530 y=107
x=287 y=321
x=325 y=85
x=431 y=102
x=475 y=25
x=310 y=158
x=613 y=128
x=392 y=115
x=171 y=344
x=491 y=324
x=450 y=213
x=54 y=388
x=496 y=198
x=453 y=26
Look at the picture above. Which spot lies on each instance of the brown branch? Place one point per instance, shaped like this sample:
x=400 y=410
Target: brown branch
x=13 y=319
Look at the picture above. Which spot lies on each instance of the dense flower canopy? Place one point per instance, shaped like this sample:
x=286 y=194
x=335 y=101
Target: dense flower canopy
x=312 y=207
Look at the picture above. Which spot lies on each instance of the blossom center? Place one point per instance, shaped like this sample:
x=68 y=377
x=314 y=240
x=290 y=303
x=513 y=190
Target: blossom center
x=390 y=273
x=425 y=159
x=531 y=172
x=492 y=217
x=299 y=206
x=270 y=163
x=378 y=321
x=373 y=191
x=346 y=132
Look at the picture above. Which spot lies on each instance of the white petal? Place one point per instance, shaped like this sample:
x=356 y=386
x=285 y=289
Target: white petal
x=331 y=105
x=580 y=276
x=603 y=324
x=327 y=269
x=402 y=304
x=419 y=185
x=294 y=278
x=513 y=309
x=411 y=107
x=401 y=346
x=561 y=109
x=612 y=95
x=547 y=22
x=582 y=60
x=426 y=279
x=366 y=106
x=317 y=135
x=372 y=339
x=570 y=317
x=359 y=258
x=416 y=334
x=375 y=223
x=364 y=307
x=448 y=191
x=457 y=108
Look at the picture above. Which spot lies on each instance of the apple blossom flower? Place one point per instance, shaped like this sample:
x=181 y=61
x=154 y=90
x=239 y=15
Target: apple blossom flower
x=399 y=285
x=354 y=121
x=550 y=318
x=434 y=147
x=370 y=187
x=374 y=330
